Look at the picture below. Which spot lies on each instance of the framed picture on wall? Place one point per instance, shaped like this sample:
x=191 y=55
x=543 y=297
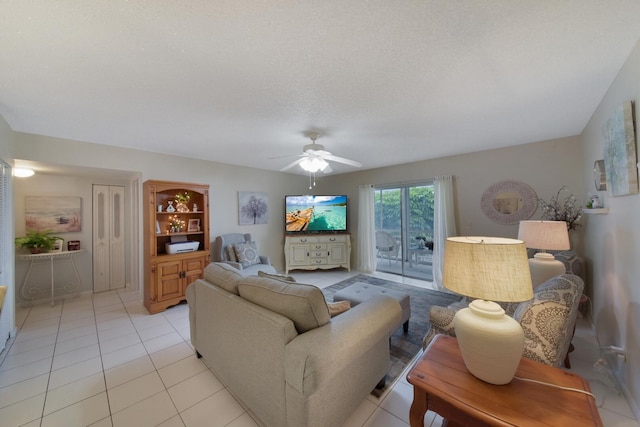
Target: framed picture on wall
x=620 y=152
x=59 y=214
x=253 y=208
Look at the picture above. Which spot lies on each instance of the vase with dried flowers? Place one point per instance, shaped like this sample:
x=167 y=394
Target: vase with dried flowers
x=562 y=210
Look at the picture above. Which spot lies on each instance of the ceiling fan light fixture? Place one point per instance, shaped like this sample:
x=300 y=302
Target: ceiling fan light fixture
x=313 y=164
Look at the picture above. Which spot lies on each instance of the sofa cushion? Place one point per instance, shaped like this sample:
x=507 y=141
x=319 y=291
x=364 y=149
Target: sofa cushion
x=223 y=275
x=304 y=305
x=247 y=253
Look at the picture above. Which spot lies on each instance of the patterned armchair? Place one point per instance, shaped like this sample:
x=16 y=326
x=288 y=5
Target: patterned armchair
x=548 y=319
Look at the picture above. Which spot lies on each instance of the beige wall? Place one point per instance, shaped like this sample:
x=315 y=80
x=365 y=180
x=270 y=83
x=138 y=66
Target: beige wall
x=545 y=166
x=64 y=185
x=611 y=242
x=6 y=137
x=225 y=181
x=7 y=314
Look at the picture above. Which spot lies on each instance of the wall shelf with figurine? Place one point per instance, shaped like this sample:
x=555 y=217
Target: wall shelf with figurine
x=597 y=211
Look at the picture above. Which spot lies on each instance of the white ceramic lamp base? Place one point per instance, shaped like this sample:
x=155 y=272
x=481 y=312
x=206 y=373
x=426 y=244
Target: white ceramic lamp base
x=491 y=342
x=543 y=267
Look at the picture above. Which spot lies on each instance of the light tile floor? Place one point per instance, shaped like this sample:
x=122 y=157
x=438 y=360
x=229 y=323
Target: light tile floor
x=101 y=360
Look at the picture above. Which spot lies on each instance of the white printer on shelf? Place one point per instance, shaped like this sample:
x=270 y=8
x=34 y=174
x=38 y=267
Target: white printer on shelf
x=180 y=244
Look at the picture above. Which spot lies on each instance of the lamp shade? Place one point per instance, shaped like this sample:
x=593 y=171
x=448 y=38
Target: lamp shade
x=545 y=235
x=489 y=268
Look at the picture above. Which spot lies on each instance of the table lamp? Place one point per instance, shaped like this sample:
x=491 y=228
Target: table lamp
x=490 y=269
x=546 y=236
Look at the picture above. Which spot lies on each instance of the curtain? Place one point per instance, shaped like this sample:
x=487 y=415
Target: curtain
x=444 y=224
x=366 y=246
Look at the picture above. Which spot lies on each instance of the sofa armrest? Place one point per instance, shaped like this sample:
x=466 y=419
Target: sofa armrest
x=313 y=358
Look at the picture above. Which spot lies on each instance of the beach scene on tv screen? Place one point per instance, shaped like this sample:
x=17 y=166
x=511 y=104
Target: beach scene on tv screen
x=316 y=213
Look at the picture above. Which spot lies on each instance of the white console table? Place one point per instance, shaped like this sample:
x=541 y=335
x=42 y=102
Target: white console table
x=317 y=251
x=30 y=293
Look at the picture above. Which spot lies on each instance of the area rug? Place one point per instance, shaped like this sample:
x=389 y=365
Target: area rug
x=403 y=346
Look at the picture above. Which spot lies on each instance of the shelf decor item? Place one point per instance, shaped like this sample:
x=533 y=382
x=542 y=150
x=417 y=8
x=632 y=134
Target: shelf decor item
x=176 y=224
x=181 y=202
x=562 y=210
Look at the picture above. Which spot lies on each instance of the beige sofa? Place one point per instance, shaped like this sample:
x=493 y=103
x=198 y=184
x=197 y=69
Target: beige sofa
x=275 y=347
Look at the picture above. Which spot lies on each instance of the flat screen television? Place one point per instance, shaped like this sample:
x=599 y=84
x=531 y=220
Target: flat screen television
x=316 y=214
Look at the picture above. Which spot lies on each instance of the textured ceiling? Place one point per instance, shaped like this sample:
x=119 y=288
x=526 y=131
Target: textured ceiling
x=384 y=82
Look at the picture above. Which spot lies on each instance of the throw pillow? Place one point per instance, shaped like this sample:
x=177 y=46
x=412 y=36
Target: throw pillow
x=336 y=308
x=276 y=276
x=303 y=304
x=223 y=275
x=230 y=253
x=247 y=253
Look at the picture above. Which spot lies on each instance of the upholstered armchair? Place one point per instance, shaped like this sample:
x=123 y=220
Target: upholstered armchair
x=548 y=320
x=241 y=252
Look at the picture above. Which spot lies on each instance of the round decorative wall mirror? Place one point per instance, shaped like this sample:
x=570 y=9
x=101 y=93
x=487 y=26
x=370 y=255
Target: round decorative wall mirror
x=599 y=175
x=509 y=202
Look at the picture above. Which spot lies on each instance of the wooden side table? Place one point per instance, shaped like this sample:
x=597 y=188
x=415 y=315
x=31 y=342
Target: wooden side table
x=442 y=383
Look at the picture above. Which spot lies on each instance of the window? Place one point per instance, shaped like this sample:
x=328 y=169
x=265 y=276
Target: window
x=404 y=229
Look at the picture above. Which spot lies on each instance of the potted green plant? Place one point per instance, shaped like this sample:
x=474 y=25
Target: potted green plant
x=37 y=241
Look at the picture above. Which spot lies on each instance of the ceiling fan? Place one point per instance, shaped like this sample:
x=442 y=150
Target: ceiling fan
x=315 y=158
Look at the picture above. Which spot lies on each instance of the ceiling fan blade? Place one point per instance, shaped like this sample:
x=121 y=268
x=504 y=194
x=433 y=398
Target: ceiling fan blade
x=287 y=155
x=342 y=160
x=327 y=169
x=290 y=165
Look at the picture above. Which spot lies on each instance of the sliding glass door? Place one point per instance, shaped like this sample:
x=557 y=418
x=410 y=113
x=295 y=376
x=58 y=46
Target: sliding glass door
x=404 y=229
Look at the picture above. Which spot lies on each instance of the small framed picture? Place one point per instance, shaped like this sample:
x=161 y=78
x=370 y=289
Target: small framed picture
x=157 y=227
x=194 y=225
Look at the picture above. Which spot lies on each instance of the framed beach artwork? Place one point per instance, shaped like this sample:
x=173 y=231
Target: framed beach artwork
x=620 y=152
x=253 y=207
x=59 y=214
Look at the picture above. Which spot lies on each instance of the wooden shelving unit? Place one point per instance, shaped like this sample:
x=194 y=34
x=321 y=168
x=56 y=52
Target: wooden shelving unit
x=166 y=275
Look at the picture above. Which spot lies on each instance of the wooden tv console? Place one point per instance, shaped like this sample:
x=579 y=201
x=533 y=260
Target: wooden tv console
x=317 y=251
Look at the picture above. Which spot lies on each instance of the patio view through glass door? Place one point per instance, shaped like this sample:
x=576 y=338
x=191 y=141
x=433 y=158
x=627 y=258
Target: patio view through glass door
x=404 y=230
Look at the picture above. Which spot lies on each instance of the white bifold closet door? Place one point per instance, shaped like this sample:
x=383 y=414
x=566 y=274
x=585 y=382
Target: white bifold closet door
x=108 y=238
